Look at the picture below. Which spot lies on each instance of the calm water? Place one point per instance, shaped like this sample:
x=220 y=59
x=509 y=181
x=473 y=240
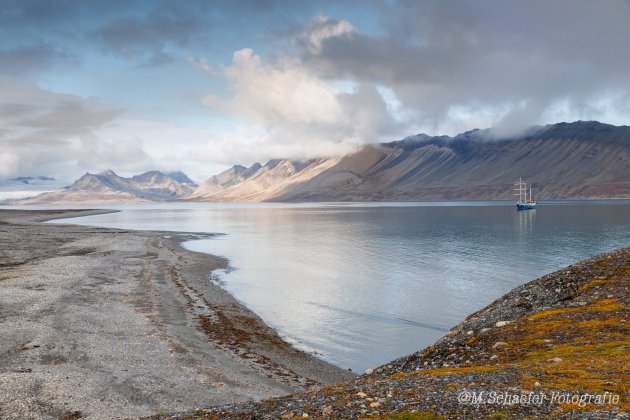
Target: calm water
x=362 y=284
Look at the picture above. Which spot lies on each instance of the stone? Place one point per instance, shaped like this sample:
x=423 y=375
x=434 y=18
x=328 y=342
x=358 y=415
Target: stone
x=502 y=323
x=327 y=410
x=361 y=394
x=494 y=357
x=499 y=344
x=375 y=405
x=555 y=360
x=369 y=371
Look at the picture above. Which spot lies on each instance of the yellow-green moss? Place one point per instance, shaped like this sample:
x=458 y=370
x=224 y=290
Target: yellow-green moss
x=419 y=415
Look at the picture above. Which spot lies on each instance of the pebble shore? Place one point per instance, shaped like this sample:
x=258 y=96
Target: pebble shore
x=105 y=323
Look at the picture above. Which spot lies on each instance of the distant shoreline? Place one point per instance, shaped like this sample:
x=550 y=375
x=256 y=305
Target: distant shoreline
x=123 y=323
x=8 y=205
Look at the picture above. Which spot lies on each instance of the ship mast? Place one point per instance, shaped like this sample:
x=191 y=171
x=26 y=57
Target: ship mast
x=521 y=188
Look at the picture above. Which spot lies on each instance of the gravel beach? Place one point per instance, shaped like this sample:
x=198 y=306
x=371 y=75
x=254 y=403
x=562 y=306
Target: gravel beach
x=106 y=323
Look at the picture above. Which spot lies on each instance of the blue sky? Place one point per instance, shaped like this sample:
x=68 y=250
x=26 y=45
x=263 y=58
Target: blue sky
x=202 y=85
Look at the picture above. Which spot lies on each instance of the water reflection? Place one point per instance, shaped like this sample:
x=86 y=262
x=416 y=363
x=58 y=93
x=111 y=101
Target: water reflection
x=525 y=221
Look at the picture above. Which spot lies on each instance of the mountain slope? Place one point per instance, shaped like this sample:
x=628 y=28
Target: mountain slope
x=28 y=186
x=565 y=160
x=108 y=187
x=258 y=182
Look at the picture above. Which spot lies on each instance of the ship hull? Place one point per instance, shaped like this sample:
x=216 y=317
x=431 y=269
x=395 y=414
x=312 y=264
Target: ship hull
x=524 y=206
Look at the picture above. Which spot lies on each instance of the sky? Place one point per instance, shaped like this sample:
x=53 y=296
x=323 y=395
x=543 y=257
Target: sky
x=198 y=86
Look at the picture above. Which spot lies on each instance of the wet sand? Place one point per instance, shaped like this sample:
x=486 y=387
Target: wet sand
x=108 y=323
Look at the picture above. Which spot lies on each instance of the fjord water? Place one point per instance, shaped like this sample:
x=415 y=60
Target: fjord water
x=362 y=284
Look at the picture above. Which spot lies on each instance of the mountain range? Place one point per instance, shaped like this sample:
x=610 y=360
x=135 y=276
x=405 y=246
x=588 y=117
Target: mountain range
x=583 y=159
x=28 y=186
x=109 y=187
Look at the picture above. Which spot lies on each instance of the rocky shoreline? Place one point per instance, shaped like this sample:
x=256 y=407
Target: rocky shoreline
x=558 y=346
x=109 y=323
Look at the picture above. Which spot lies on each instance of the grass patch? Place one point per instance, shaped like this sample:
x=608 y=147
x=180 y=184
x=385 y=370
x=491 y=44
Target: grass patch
x=419 y=415
x=445 y=371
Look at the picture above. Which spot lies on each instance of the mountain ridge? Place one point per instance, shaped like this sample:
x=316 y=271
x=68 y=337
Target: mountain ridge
x=108 y=187
x=578 y=160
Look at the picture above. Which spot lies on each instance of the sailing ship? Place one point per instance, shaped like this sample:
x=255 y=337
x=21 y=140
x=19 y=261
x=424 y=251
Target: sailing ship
x=524 y=202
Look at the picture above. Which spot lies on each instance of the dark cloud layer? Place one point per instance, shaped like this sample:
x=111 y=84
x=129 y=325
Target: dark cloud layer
x=522 y=57
x=32 y=59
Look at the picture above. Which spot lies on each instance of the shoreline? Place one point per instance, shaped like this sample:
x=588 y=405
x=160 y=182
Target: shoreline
x=555 y=347
x=103 y=323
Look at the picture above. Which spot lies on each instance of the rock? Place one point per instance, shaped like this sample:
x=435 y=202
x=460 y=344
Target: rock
x=471 y=332
x=494 y=357
x=537 y=384
x=499 y=344
x=361 y=394
x=288 y=415
x=555 y=360
x=305 y=415
x=375 y=405
x=327 y=410
x=483 y=330
x=502 y=323
x=369 y=371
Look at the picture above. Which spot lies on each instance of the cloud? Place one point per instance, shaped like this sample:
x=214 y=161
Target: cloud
x=518 y=61
x=300 y=114
x=307 y=84
x=31 y=59
x=282 y=94
x=51 y=133
x=323 y=28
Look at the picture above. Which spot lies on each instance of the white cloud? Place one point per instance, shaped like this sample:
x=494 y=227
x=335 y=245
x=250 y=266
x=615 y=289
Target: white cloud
x=323 y=28
x=285 y=93
x=202 y=64
x=49 y=133
x=8 y=163
x=295 y=113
